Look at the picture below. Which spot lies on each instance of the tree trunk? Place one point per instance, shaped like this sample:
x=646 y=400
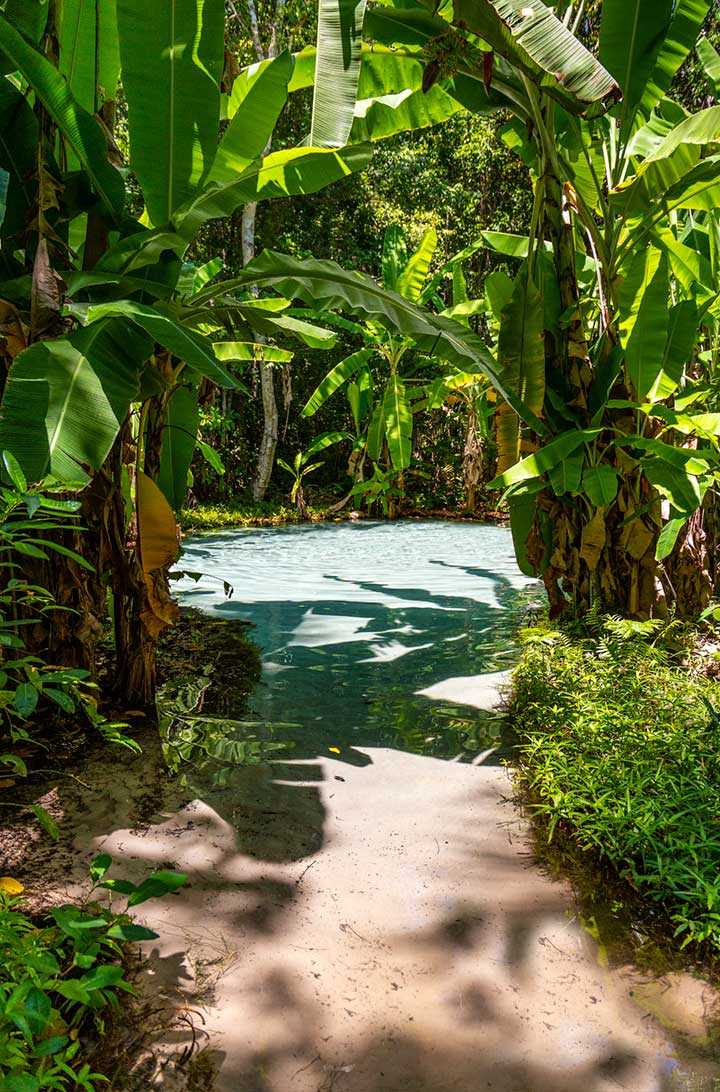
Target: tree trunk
x=472 y=459
x=268 y=443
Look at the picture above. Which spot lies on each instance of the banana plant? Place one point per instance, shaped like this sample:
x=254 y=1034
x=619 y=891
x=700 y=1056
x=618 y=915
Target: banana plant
x=302 y=467
x=92 y=295
x=606 y=326
x=393 y=397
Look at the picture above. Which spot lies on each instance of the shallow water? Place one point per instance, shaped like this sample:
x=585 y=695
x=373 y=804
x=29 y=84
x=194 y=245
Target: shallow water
x=376 y=640
x=355 y=620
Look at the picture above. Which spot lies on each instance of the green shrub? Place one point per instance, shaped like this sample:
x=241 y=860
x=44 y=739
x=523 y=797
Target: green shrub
x=60 y=976
x=619 y=749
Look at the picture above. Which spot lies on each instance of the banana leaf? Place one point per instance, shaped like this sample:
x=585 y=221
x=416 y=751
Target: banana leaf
x=44 y=416
x=339 y=49
x=79 y=130
x=173 y=129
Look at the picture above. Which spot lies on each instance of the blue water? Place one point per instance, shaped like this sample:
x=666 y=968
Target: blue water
x=354 y=620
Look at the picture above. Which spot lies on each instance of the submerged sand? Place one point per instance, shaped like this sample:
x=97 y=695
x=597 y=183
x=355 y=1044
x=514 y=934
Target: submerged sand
x=369 y=928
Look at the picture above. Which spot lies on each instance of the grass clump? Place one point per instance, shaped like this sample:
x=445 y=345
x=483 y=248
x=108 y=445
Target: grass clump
x=213 y=517
x=619 y=750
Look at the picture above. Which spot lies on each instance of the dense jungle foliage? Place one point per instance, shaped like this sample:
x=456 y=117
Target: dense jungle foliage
x=384 y=256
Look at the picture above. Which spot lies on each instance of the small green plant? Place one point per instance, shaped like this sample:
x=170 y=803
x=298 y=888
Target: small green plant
x=30 y=688
x=619 y=749
x=59 y=977
x=302 y=467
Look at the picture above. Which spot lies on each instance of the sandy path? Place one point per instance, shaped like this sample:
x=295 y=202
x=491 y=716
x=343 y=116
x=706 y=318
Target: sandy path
x=374 y=929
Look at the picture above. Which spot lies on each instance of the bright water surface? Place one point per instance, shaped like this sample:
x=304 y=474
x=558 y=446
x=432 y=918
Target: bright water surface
x=355 y=619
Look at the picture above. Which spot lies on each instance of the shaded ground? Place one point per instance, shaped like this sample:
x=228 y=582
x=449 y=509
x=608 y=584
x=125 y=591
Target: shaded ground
x=367 y=929
x=358 y=917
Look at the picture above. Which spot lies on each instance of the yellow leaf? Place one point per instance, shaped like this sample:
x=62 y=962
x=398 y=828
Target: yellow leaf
x=157 y=529
x=6 y=782
x=73 y=1034
x=11 y=886
x=335 y=750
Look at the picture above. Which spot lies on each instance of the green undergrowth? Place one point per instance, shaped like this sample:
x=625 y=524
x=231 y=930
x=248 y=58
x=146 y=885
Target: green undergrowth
x=619 y=756
x=62 y=974
x=212 y=517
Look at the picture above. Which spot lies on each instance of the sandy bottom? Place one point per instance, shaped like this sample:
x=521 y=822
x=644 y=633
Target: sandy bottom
x=376 y=928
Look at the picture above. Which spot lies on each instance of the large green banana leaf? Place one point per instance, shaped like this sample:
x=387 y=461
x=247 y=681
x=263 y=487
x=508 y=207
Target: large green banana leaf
x=178 y=444
x=79 y=130
x=334 y=379
x=398 y=423
x=89 y=50
x=193 y=349
x=280 y=174
x=533 y=40
x=18 y=156
x=521 y=355
x=339 y=48
x=631 y=35
x=172 y=54
x=66 y=398
x=377 y=119
x=669 y=163
x=643 y=317
x=29 y=16
x=687 y=19
x=326 y=285
x=681 y=338
x=256 y=104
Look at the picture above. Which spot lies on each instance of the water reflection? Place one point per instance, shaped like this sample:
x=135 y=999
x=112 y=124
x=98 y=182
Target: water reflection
x=358 y=623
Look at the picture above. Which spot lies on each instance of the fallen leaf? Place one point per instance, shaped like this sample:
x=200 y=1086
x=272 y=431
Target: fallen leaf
x=11 y=886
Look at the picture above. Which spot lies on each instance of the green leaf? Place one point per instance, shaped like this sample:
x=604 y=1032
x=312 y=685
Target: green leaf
x=531 y=37
x=193 y=349
x=680 y=488
x=18 y=157
x=36 y=1010
x=398 y=423
x=687 y=19
x=710 y=62
x=376 y=433
x=211 y=457
x=280 y=174
x=179 y=46
x=327 y=439
x=26 y=699
x=522 y=509
x=178 y=445
x=60 y=698
x=521 y=354
x=14 y=472
x=545 y=459
x=326 y=285
x=89 y=50
x=44 y=417
x=99 y=978
x=100 y=866
x=78 y=128
x=157 y=885
x=52 y=1045
x=412 y=277
x=643 y=317
x=255 y=106
x=668 y=537
x=631 y=35
x=681 y=337
x=45 y=820
x=600 y=484
x=566 y=476
x=334 y=379
x=337 y=71
x=394 y=256
x=29 y=16
x=131 y=933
